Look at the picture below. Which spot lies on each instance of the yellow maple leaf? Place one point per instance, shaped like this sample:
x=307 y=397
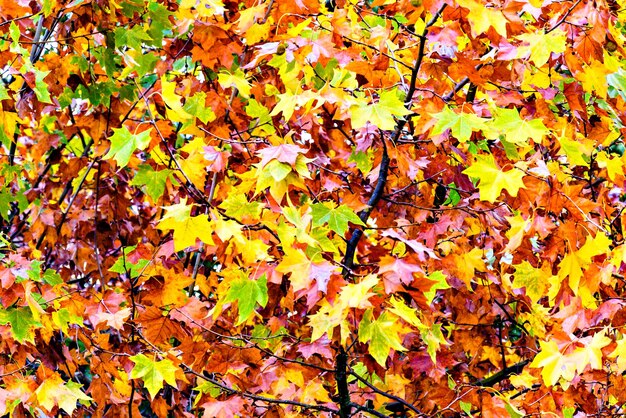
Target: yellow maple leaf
x=54 y=391
x=533 y=279
x=619 y=354
x=591 y=351
x=380 y=113
x=298 y=264
x=614 y=165
x=593 y=78
x=482 y=18
x=571 y=266
x=515 y=234
x=326 y=319
x=541 y=45
x=313 y=392
x=195 y=164
x=468 y=263
x=175 y=111
x=186 y=228
x=356 y=295
x=493 y=180
x=554 y=365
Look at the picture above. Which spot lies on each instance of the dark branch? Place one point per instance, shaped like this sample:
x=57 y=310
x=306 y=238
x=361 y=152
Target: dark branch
x=502 y=374
x=388 y=395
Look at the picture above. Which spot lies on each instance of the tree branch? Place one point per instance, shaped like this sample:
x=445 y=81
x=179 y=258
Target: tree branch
x=387 y=395
x=502 y=374
x=341 y=376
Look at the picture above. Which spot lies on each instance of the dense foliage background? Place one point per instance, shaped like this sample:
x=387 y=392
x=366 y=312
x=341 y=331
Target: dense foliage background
x=285 y=209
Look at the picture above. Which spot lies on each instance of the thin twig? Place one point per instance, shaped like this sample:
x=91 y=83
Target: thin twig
x=386 y=394
x=567 y=13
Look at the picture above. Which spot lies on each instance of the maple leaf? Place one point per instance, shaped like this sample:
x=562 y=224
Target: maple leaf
x=493 y=180
x=619 y=354
x=541 y=45
x=326 y=319
x=196 y=106
x=515 y=234
x=175 y=109
x=381 y=113
x=381 y=334
x=124 y=144
x=570 y=266
x=516 y=130
x=284 y=153
x=289 y=102
x=186 y=228
x=298 y=264
x=397 y=271
x=223 y=409
x=482 y=18
x=591 y=352
x=553 y=364
x=22 y=321
x=152 y=179
x=54 y=391
x=236 y=80
x=461 y=124
x=534 y=280
x=356 y=295
x=248 y=293
x=153 y=372
x=194 y=166
x=336 y=217
x=440 y=283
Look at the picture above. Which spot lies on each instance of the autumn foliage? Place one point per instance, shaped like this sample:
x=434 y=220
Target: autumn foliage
x=292 y=208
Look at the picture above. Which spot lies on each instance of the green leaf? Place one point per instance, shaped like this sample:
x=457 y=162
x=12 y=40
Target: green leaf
x=130 y=37
x=337 y=218
x=364 y=161
x=153 y=373
x=63 y=318
x=466 y=407
x=516 y=130
x=22 y=322
x=122 y=264
x=261 y=117
x=382 y=113
x=153 y=180
x=440 y=284
x=196 y=106
x=247 y=292
x=41 y=88
x=123 y=144
x=453 y=196
x=617 y=83
x=461 y=125
x=381 y=334
x=159 y=22
x=237 y=206
x=52 y=278
x=3 y=92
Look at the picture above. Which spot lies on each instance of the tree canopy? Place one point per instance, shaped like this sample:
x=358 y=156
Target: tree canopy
x=295 y=208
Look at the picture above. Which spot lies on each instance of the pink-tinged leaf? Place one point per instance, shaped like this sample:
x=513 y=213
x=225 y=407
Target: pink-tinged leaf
x=321 y=272
x=420 y=249
x=284 y=153
x=219 y=158
x=321 y=347
x=230 y=408
x=396 y=272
